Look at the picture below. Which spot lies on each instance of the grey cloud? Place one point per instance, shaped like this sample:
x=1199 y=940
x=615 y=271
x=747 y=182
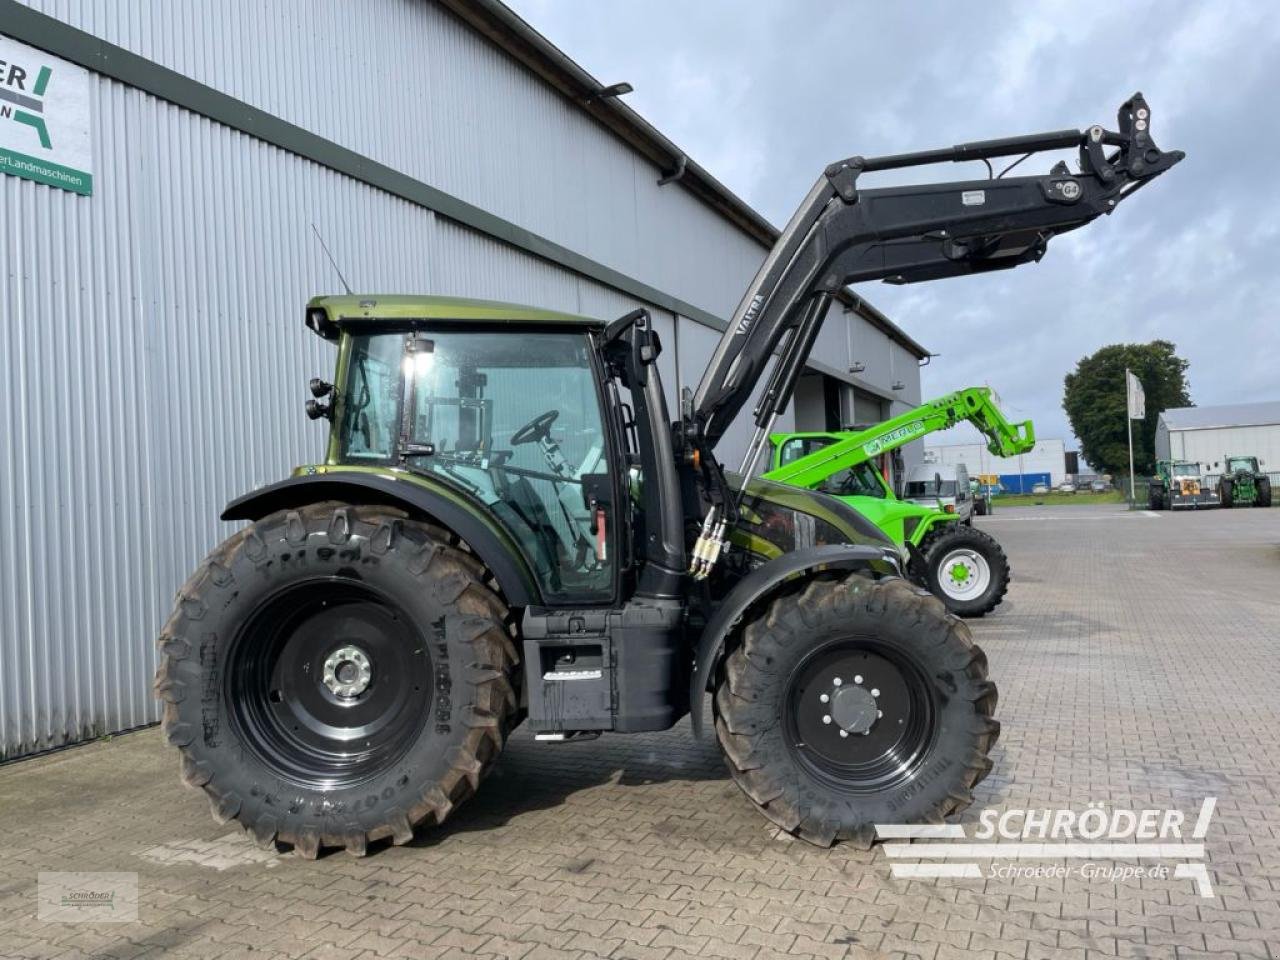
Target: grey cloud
x=765 y=94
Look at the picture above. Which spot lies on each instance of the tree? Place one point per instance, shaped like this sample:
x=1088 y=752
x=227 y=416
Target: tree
x=1095 y=401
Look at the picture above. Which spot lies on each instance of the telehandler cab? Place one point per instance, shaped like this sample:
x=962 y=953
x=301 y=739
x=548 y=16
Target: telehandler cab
x=964 y=567
x=507 y=526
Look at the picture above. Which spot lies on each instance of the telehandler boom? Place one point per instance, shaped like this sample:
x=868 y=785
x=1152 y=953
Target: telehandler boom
x=964 y=567
x=972 y=405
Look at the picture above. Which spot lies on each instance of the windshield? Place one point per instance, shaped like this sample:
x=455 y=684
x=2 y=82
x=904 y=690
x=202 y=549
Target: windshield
x=862 y=480
x=797 y=447
x=1241 y=463
x=922 y=489
x=1186 y=469
x=512 y=420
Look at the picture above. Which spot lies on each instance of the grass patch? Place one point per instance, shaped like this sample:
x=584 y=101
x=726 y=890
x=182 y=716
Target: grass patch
x=1054 y=498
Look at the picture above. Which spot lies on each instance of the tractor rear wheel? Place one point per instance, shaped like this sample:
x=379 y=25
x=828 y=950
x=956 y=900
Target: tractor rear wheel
x=965 y=568
x=337 y=674
x=853 y=703
x=1263 y=486
x=1226 y=494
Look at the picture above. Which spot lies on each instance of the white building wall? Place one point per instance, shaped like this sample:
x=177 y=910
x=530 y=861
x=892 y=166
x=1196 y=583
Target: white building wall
x=1047 y=456
x=1211 y=444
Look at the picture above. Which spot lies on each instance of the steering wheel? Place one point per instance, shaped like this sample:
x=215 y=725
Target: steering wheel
x=535 y=429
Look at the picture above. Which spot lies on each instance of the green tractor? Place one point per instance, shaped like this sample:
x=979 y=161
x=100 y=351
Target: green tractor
x=1243 y=483
x=1179 y=485
x=508 y=527
x=964 y=567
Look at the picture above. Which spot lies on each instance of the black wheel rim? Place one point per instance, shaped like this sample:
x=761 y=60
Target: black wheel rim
x=328 y=683
x=859 y=715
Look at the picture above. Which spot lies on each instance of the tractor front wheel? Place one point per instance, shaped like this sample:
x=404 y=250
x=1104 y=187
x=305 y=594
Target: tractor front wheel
x=853 y=703
x=1226 y=494
x=1263 y=487
x=965 y=568
x=337 y=674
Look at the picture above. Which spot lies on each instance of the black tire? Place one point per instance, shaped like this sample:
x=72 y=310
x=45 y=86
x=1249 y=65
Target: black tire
x=950 y=549
x=800 y=772
x=1264 y=492
x=1226 y=490
x=266 y=718
x=980 y=507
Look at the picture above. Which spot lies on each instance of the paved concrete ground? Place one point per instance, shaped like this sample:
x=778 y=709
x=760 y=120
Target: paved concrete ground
x=1137 y=663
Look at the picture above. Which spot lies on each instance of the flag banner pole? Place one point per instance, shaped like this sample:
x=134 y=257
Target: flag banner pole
x=1135 y=404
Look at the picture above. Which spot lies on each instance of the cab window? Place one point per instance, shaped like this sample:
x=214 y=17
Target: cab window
x=860 y=481
x=797 y=447
x=512 y=420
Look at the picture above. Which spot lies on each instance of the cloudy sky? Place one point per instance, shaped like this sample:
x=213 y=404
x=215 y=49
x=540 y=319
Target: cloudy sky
x=764 y=94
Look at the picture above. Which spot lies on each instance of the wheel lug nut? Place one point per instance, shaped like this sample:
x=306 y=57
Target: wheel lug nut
x=824 y=698
x=844 y=733
x=826 y=718
x=875 y=692
x=879 y=714
x=837 y=681
x=858 y=678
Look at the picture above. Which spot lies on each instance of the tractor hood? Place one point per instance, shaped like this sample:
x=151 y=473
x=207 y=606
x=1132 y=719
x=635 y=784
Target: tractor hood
x=775 y=519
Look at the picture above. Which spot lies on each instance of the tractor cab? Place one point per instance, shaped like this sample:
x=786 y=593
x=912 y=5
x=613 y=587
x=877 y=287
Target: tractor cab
x=512 y=421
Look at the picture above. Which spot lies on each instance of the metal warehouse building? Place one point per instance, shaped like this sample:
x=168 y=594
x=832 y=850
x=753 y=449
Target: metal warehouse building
x=158 y=249
x=1046 y=462
x=1207 y=434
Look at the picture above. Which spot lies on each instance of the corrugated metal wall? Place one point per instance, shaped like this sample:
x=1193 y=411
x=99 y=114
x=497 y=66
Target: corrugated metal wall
x=157 y=365
x=155 y=352
x=1212 y=444
x=406 y=84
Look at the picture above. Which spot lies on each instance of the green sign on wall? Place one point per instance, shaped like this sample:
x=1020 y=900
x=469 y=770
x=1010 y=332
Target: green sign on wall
x=44 y=118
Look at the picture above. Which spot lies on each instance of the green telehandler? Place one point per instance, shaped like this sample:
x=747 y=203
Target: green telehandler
x=474 y=550
x=1243 y=483
x=964 y=567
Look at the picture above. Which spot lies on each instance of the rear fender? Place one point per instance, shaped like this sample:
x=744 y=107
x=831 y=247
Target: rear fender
x=759 y=587
x=502 y=558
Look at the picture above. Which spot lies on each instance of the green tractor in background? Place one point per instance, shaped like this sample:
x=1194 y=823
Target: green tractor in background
x=1179 y=485
x=1243 y=483
x=964 y=567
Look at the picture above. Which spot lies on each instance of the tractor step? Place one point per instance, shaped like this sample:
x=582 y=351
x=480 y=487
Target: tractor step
x=593 y=669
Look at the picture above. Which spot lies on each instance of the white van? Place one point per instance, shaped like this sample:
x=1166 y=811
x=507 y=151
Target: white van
x=944 y=485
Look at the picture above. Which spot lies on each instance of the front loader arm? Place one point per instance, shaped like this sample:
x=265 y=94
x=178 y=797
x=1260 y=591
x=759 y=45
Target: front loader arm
x=973 y=404
x=842 y=234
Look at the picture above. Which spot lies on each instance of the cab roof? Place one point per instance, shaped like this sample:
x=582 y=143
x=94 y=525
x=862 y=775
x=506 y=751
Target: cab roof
x=326 y=315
